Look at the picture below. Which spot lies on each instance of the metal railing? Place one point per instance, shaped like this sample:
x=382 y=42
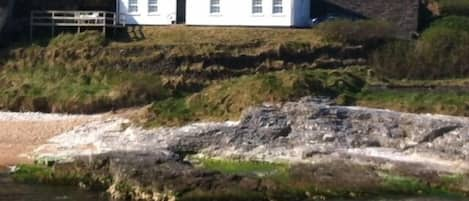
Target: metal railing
x=77 y=18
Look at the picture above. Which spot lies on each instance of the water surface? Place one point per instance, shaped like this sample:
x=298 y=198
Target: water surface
x=12 y=191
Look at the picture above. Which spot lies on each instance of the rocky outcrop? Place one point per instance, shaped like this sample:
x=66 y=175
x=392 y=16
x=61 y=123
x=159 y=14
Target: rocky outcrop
x=324 y=145
x=304 y=131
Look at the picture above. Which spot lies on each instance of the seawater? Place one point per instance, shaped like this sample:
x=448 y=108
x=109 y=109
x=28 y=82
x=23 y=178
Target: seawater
x=13 y=191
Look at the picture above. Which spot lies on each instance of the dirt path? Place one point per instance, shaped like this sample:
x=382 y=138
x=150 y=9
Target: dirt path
x=23 y=132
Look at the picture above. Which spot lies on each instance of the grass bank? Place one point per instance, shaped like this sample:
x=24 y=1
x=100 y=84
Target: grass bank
x=57 y=89
x=200 y=73
x=421 y=101
x=86 y=73
x=226 y=100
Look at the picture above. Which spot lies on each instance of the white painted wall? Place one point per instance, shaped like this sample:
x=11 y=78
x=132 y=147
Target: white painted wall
x=166 y=13
x=239 y=13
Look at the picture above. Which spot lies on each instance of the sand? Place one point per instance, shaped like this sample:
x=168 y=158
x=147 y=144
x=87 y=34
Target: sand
x=21 y=133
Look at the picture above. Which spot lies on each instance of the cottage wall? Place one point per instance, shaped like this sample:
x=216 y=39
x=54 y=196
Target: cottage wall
x=166 y=13
x=238 y=13
x=403 y=13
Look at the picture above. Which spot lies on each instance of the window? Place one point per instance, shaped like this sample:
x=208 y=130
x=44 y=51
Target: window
x=152 y=6
x=214 y=6
x=133 y=6
x=256 y=6
x=277 y=7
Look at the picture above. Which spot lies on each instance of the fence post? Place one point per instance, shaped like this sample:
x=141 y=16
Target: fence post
x=53 y=24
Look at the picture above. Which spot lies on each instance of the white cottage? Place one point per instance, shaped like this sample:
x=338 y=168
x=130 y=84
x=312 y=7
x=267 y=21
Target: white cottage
x=285 y=13
x=148 y=12
x=282 y=13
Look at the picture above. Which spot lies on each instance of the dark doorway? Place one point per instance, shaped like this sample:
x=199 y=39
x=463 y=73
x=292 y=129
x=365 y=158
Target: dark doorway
x=181 y=12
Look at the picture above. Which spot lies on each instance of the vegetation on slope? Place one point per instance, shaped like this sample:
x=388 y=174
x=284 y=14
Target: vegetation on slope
x=196 y=73
x=225 y=100
x=85 y=73
x=454 y=7
x=370 y=33
x=422 y=101
x=56 y=89
x=441 y=52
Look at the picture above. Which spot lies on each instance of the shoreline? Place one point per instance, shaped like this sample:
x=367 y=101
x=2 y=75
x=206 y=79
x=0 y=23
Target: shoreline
x=21 y=133
x=296 y=149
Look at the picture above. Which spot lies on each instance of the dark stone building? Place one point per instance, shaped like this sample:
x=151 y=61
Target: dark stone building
x=404 y=14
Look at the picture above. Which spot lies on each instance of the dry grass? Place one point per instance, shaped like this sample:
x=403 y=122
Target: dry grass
x=87 y=73
x=180 y=35
x=206 y=41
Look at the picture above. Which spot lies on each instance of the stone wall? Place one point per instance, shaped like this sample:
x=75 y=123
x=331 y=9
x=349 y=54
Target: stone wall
x=403 y=13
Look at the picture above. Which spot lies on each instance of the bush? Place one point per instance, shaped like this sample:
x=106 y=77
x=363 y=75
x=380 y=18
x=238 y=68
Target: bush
x=454 y=7
x=441 y=52
x=394 y=60
x=368 y=32
x=453 y=22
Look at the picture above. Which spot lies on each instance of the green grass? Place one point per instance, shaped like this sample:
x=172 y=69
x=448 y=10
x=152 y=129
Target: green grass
x=32 y=174
x=453 y=22
x=450 y=103
x=158 y=44
x=413 y=186
x=361 y=32
x=243 y=167
x=56 y=89
x=64 y=175
x=226 y=100
x=39 y=174
x=405 y=185
x=454 y=7
x=85 y=73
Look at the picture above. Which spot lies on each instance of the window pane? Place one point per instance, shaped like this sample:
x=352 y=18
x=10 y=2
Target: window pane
x=277 y=6
x=256 y=6
x=214 y=6
x=152 y=6
x=133 y=6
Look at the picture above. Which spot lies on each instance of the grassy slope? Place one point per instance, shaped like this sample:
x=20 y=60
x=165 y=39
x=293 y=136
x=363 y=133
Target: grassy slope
x=450 y=103
x=225 y=100
x=60 y=90
x=84 y=73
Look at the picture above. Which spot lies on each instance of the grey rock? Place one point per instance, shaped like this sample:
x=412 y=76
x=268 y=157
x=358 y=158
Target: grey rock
x=306 y=131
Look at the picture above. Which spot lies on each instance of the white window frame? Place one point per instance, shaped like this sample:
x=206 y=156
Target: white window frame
x=277 y=7
x=215 y=7
x=133 y=7
x=257 y=7
x=153 y=7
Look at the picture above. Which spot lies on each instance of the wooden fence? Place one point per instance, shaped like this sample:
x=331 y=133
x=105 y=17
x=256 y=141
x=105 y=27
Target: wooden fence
x=77 y=19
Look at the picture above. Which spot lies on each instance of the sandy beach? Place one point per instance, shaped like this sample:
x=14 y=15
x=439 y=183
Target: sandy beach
x=21 y=133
